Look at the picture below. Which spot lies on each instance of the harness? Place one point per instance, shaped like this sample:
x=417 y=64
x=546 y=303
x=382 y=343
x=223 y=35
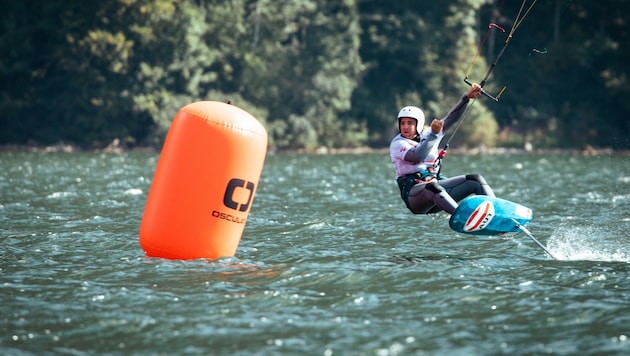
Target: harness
x=406 y=182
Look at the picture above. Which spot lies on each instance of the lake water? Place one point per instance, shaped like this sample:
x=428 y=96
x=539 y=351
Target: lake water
x=330 y=263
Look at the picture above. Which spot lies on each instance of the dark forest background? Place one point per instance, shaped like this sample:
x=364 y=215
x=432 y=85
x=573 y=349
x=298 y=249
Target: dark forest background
x=314 y=72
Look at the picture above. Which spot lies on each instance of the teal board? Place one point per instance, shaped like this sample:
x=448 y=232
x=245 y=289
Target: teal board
x=484 y=215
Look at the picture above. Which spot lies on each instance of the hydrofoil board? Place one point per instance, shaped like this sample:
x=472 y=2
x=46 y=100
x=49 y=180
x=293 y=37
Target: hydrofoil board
x=484 y=215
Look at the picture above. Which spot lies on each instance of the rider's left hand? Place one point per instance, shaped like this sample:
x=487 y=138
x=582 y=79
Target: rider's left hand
x=474 y=91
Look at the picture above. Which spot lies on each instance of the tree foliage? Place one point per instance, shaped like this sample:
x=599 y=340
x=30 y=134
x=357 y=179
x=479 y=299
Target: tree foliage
x=315 y=72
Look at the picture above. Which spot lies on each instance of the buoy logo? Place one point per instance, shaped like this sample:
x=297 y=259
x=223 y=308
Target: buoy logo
x=238 y=194
x=480 y=218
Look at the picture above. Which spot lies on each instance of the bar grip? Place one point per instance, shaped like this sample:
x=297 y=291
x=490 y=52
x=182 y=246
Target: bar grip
x=483 y=91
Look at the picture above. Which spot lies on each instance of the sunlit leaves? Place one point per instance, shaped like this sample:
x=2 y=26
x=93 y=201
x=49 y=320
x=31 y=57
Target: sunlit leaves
x=114 y=48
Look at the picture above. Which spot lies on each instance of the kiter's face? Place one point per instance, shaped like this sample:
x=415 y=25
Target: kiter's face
x=408 y=127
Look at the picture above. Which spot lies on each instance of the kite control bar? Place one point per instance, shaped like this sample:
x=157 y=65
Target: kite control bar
x=517 y=22
x=495 y=98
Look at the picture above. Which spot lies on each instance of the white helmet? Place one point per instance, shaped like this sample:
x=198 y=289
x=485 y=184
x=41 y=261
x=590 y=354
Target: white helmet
x=412 y=112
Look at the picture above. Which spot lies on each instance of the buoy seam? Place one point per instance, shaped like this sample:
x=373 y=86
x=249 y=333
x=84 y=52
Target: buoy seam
x=235 y=127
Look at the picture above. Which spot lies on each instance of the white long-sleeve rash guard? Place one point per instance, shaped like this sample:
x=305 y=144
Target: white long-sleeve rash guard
x=411 y=156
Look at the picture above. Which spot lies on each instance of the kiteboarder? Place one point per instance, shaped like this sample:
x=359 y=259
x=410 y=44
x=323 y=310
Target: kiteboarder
x=417 y=161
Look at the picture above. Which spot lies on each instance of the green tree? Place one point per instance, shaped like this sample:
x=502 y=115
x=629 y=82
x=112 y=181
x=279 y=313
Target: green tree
x=314 y=72
x=302 y=65
x=573 y=93
x=37 y=102
x=187 y=52
x=416 y=53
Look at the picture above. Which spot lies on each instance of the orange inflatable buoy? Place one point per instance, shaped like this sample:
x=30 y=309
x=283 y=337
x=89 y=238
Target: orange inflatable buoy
x=204 y=183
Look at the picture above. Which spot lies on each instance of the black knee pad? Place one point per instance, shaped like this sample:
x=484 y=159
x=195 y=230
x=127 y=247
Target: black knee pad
x=477 y=178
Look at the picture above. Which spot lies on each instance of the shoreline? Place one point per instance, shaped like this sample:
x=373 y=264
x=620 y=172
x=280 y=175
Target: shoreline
x=116 y=148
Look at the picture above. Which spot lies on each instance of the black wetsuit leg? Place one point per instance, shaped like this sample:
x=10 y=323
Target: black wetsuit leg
x=430 y=197
x=460 y=187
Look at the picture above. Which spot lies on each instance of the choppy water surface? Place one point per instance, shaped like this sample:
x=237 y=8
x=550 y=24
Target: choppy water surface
x=330 y=263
